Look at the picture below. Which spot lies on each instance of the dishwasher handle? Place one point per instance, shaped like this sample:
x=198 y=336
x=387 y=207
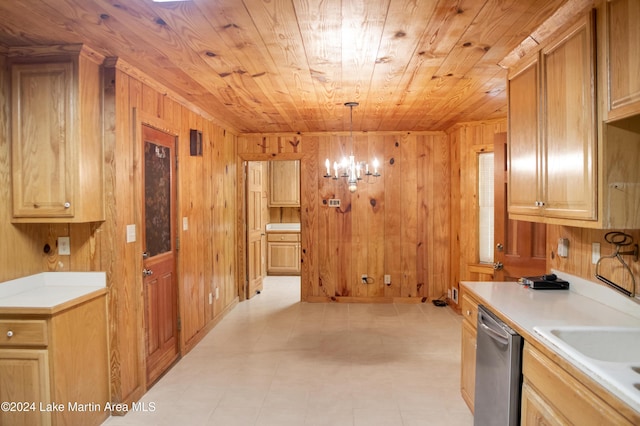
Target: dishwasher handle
x=492 y=328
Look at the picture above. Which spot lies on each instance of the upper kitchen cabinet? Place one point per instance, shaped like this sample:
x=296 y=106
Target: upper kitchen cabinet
x=284 y=183
x=525 y=181
x=552 y=130
x=622 y=44
x=56 y=147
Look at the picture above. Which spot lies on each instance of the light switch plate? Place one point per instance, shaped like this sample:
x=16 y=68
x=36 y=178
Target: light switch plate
x=131 y=233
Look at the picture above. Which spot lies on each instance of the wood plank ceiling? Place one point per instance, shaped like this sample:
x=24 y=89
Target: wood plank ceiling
x=290 y=65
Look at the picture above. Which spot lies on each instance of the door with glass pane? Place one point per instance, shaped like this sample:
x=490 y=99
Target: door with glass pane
x=520 y=247
x=159 y=282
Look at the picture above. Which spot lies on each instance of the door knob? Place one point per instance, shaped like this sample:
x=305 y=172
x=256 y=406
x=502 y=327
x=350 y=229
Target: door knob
x=147 y=272
x=498 y=266
x=145 y=254
x=499 y=247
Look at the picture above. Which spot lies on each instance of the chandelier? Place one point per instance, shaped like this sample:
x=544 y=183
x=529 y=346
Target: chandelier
x=349 y=168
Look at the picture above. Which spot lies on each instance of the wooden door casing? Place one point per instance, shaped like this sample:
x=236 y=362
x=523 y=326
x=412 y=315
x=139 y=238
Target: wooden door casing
x=160 y=283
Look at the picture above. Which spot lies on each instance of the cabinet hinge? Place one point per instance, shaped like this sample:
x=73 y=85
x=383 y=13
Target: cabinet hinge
x=177 y=243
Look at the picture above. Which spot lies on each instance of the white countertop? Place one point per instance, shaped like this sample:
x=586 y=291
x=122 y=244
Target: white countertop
x=585 y=304
x=49 y=291
x=283 y=227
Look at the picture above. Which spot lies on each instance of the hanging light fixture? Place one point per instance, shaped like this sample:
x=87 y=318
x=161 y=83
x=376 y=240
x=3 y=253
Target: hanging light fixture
x=349 y=168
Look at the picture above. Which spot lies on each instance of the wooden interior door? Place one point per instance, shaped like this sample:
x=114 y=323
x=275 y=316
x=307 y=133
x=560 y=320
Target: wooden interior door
x=519 y=246
x=255 y=230
x=159 y=282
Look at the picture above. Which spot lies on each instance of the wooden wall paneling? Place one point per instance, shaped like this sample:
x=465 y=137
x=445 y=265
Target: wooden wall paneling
x=440 y=197
x=191 y=321
x=126 y=279
x=409 y=213
x=341 y=231
x=424 y=204
x=200 y=231
x=208 y=195
x=455 y=221
x=325 y=287
x=53 y=261
x=360 y=215
x=392 y=214
x=312 y=206
x=376 y=207
x=227 y=171
x=579 y=262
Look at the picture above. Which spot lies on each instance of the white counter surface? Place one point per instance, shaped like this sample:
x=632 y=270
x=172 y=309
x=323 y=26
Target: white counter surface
x=49 y=292
x=585 y=304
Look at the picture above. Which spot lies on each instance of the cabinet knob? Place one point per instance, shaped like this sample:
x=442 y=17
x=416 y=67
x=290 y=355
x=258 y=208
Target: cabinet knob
x=67 y=205
x=9 y=333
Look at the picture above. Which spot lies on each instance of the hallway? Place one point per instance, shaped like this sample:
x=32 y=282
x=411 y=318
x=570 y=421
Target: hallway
x=276 y=361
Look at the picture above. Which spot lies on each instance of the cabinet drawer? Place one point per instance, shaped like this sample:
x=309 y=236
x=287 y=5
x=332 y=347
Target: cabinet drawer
x=23 y=333
x=283 y=237
x=469 y=310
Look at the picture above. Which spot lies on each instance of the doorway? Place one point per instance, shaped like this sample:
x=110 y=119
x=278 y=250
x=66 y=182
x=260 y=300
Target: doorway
x=159 y=253
x=267 y=201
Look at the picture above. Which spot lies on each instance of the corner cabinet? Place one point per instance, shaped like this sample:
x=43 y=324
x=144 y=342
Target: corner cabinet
x=56 y=145
x=552 y=128
x=284 y=183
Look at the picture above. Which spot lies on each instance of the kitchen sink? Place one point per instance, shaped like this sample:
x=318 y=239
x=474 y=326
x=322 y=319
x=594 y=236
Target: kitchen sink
x=610 y=355
x=611 y=344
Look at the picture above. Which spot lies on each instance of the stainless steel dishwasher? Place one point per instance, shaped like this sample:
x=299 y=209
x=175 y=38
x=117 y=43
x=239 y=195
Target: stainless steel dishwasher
x=498 y=372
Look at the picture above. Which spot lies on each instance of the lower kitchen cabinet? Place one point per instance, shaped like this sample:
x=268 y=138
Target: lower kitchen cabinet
x=552 y=396
x=54 y=368
x=283 y=254
x=468 y=349
x=24 y=382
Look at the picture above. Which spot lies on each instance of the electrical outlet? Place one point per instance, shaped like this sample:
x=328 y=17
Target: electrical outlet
x=387 y=279
x=64 y=246
x=454 y=295
x=595 y=253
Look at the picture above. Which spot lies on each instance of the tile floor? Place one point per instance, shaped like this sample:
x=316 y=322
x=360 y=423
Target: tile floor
x=275 y=361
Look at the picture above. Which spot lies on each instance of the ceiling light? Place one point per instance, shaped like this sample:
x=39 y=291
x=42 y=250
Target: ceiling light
x=349 y=168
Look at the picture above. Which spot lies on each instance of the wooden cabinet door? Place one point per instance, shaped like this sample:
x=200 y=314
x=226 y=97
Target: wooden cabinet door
x=24 y=378
x=524 y=141
x=42 y=133
x=468 y=361
x=284 y=183
x=622 y=41
x=283 y=257
x=569 y=124
x=535 y=411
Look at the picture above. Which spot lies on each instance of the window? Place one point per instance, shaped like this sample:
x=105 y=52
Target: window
x=485 y=207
